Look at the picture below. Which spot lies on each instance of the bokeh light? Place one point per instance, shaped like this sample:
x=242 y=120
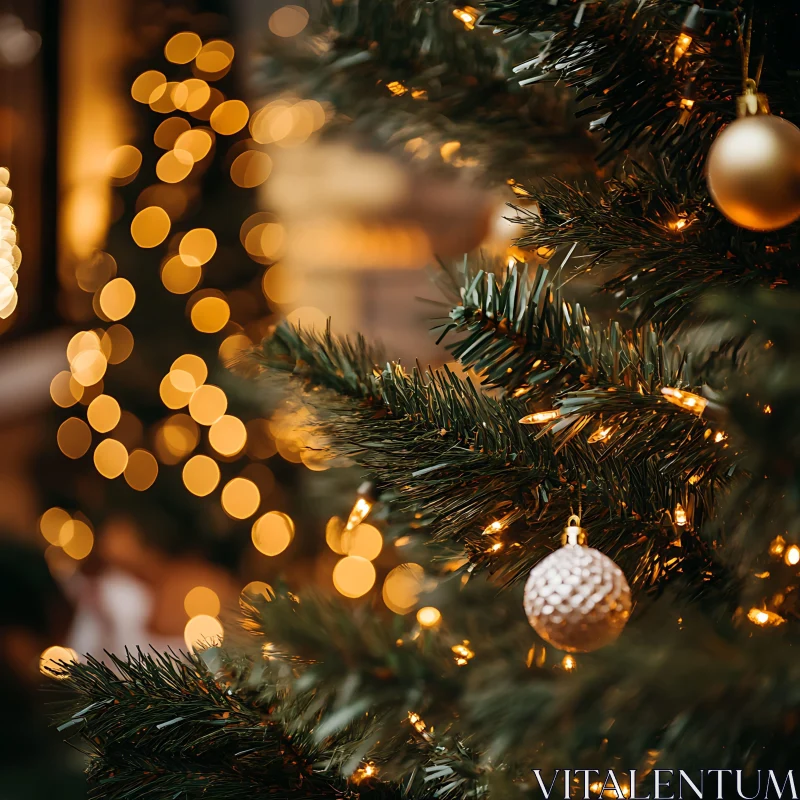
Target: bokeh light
x=201 y=600
x=78 y=539
x=110 y=458
x=429 y=616
x=196 y=142
x=117 y=298
x=93 y=273
x=103 y=413
x=169 y=130
x=251 y=169
x=210 y=314
x=365 y=541
x=122 y=164
x=228 y=435
x=183 y=47
x=203 y=631
x=171 y=396
x=147 y=84
x=254 y=592
x=74 y=437
x=53 y=658
x=288 y=21
x=201 y=475
x=333 y=535
x=65 y=391
x=197 y=247
x=240 y=498
x=191 y=95
x=174 y=166
x=229 y=117
x=194 y=365
x=208 y=404
x=141 y=470
x=279 y=286
x=162 y=100
x=51 y=526
x=402 y=587
x=214 y=56
x=177 y=436
x=120 y=340
x=272 y=533
x=353 y=576
x=178 y=277
x=150 y=227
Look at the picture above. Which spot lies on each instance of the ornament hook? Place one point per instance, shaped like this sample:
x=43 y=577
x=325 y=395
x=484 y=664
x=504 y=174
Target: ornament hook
x=573 y=533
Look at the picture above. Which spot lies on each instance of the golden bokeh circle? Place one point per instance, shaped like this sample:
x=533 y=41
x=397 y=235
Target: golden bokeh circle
x=272 y=533
x=74 y=437
x=203 y=631
x=150 y=227
x=141 y=470
x=201 y=600
x=201 y=475
x=197 y=247
x=251 y=169
x=228 y=435
x=240 y=498
x=210 y=314
x=353 y=576
x=146 y=84
x=402 y=587
x=230 y=117
x=183 y=47
x=178 y=277
x=51 y=526
x=117 y=298
x=208 y=404
x=110 y=458
x=79 y=539
x=103 y=413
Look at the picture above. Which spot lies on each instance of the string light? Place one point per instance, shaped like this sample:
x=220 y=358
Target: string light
x=429 y=617
x=540 y=417
x=690 y=26
x=496 y=526
x=764 y=618
x=601 y=434
x=364 y=773
x=358 y=513
x=467 y=15
x=685 y=400
x=680 y=516
x=792 y=557
x=462 y=653
x=396 y=88
x=777 y=546
x=419 y=725
x=568 y=663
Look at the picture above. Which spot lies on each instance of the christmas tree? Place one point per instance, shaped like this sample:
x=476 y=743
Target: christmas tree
x=606 y=510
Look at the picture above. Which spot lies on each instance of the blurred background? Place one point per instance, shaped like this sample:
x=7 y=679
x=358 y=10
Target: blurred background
x=176 y=176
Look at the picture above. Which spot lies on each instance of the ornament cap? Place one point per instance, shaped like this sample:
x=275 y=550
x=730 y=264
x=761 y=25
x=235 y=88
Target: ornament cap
x=573 y=533
x=752 y=102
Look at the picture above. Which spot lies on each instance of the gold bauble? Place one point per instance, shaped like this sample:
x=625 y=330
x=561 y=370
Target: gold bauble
x=577 y=599
x=753 y=172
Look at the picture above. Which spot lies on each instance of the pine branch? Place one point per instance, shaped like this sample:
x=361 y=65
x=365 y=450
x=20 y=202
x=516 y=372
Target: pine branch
x=447 y=84
x=460 y=459
x=628 y=232
x=620 y=58
x=159 y=727
x=523 y=337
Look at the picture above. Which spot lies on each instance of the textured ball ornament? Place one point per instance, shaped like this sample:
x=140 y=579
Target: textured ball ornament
x=753 y=172
x=577 y=599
